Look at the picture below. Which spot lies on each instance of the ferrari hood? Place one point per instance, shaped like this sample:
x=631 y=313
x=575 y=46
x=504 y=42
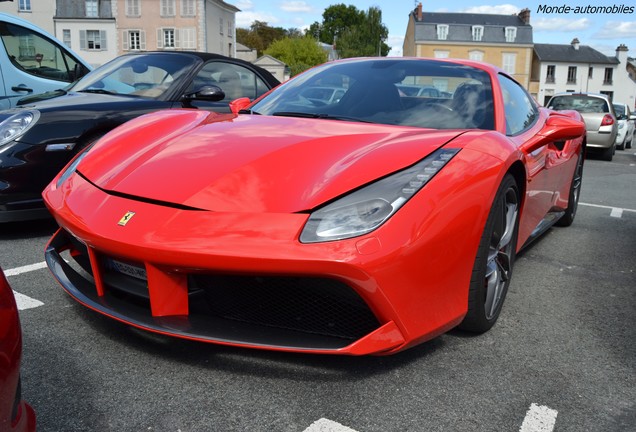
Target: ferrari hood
x=250 y=163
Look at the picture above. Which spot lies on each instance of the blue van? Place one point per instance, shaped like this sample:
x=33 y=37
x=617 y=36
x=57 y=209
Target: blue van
x=33 y=61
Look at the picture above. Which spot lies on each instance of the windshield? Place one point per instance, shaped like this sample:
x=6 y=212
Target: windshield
x=149 y=76
x=407 y=92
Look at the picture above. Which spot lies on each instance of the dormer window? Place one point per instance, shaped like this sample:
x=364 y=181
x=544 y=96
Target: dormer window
x=442 y=31
x=478 y=33
x=511 y=34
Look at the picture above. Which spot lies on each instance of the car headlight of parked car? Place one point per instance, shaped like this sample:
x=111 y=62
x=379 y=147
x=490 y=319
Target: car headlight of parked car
x=15 y=126
x=365 y=209
x=72 y=167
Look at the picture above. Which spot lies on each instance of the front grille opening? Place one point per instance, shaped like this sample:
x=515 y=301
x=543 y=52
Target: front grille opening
x=319 y=306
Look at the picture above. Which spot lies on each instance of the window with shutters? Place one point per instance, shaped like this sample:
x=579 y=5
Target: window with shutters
x=188 y=8
x=93 y=40
x=134 y=40
x=133 y=8
x=509 y=62
x=189 y=38
x=167 y=8
x=167 y=38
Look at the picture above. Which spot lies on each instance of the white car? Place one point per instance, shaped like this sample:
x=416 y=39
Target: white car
x=626 y=121
x=33 y=61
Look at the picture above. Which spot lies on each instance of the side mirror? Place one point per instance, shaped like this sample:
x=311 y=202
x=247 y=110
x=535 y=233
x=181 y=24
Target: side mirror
x=210 y=93
x=238 y=104
x=558 y=127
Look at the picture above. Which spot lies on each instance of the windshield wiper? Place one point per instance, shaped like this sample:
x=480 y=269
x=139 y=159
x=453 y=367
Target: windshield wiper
x=248 y=111
x=318 y=116
x=98 y=91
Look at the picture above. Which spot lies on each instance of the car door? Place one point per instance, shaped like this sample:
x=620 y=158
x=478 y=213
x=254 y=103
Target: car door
x=33 y=63
x=523 y=121
x=235 y=80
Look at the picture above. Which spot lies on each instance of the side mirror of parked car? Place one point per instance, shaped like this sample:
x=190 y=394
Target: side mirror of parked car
x=558 y=127
x=210 y=93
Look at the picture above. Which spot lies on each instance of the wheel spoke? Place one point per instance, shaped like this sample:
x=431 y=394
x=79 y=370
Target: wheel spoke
x=500 y=252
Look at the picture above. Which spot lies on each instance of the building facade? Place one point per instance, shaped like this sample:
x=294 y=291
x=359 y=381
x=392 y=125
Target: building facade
x=88 y=27
x=502 y=40
x=100 y=30
x=580 y=68
x=37 y=12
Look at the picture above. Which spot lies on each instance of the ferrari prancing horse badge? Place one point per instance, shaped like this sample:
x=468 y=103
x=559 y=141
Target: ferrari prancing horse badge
x=127 y=217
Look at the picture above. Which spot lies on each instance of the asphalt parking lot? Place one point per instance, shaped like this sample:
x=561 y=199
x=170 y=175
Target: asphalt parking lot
x=562 y=356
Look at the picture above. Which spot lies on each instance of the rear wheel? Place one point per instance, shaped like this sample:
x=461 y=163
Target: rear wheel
x=608 y=153
x=495 y=258
x=575 y=192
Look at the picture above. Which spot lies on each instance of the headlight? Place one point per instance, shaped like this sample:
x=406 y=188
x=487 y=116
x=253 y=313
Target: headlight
x=16 y=125
x=72 y=167
x=621 y=125
x=366 y=209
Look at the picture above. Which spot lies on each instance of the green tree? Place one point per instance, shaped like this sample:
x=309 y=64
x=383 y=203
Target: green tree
x=365 y=40
x=260 y=36
x=298 y=53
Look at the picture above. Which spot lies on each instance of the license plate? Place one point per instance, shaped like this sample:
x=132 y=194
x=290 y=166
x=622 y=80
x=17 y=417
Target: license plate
x=128 y=269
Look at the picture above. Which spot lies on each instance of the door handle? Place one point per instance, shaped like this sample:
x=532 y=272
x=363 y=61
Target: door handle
x=22 y=89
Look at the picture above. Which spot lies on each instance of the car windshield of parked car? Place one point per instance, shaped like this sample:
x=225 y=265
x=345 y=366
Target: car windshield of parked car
x=580 y=103
x=418 y=93
x=149 y=76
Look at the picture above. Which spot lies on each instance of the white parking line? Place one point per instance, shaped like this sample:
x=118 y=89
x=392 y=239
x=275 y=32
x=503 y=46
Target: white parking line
x=24 y=269
x=539 y=419
x=26 y=302
x=326 y=425
x=616 y=212
x=23 y=301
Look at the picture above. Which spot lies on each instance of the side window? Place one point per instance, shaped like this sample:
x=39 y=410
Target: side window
x=521 y=111
x=36 y=55
x=235 y=80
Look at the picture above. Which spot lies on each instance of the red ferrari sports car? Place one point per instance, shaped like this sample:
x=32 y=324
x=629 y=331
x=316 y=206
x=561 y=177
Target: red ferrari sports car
x=15 y=414
x=363 y=224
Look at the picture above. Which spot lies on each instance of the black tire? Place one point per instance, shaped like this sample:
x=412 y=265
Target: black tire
x=608 y=153
x=575 y=191
x=495 y=259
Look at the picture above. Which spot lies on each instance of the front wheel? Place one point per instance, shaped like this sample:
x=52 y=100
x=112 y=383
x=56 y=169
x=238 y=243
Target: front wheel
x=495 y=259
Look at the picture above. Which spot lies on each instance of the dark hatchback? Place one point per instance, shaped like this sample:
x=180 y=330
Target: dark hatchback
x=38 y=138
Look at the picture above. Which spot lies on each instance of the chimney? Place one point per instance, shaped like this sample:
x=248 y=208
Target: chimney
x=621 y=53
x=418 y=12
x=524 y=16
x=575 y=44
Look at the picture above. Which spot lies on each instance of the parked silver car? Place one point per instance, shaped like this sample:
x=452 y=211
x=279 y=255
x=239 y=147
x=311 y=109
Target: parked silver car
x=599 y=115
x=626 y=126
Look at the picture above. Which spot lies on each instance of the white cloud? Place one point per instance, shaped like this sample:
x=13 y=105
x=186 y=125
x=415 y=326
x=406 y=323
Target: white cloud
x=561 y=24
x=244 y=5
x=503 y=9
x=296 y=7
x=617 y=30
x=245 y=19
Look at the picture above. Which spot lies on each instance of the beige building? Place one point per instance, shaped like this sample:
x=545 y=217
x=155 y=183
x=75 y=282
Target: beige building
x=502 y=40
x=194 y=25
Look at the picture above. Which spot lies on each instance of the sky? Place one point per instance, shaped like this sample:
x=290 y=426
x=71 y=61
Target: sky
x=602 y=30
